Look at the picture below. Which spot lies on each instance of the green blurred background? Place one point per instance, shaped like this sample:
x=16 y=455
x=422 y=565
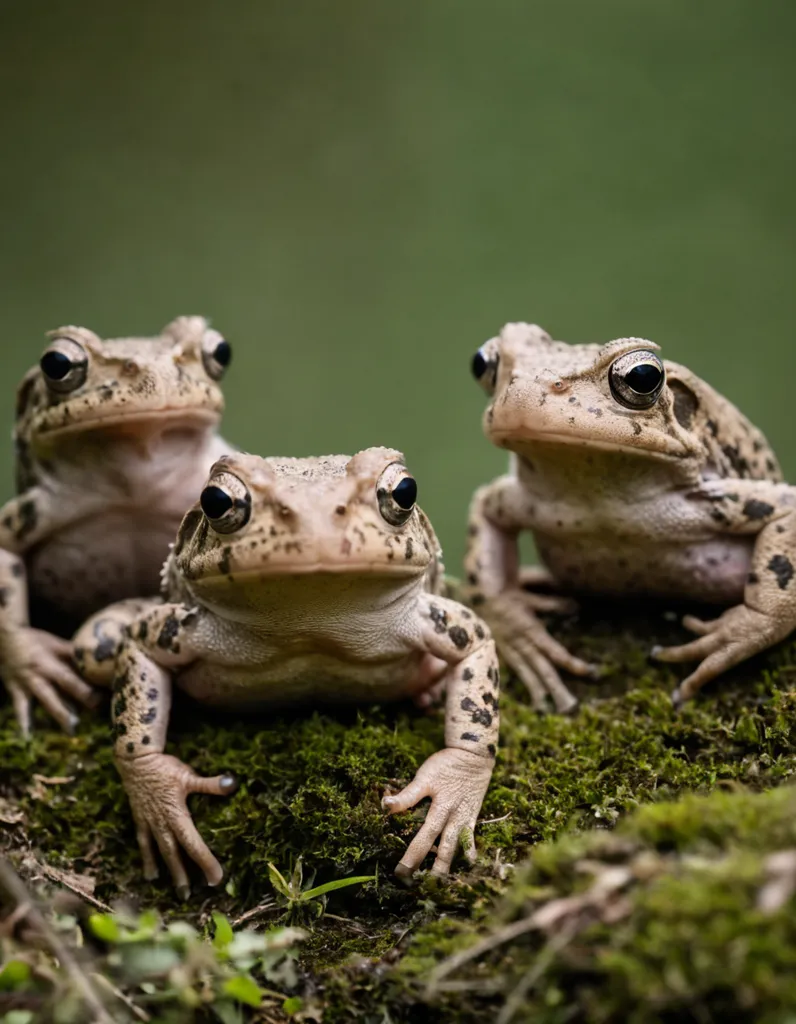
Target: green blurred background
x=359 y=193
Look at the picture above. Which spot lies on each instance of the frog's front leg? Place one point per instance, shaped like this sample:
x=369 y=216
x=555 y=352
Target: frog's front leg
x=494 y=579
x=457 y=777
x=768 y=612
x=34 y=664
x=156 y=783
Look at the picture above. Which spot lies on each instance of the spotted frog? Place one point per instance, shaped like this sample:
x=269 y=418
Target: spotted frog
x=635 y=477
x=113 y=440
x=314 y=579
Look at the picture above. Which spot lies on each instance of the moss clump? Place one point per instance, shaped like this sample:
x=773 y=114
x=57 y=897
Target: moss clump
x=658 y=920
x=312 y=783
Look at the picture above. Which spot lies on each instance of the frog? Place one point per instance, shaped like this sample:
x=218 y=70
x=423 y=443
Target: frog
x=636 y=480
x=295 y=581
x=113 y=437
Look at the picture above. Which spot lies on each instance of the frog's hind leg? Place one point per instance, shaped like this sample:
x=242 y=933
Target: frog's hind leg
x=98 y=641
x=768 y=612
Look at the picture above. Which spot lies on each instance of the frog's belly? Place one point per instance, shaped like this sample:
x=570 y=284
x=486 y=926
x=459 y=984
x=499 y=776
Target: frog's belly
x=712 y=571
x=89 y=565
x=319 y=678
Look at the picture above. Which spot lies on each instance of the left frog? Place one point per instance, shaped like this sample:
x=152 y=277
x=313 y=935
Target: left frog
x=114 y=438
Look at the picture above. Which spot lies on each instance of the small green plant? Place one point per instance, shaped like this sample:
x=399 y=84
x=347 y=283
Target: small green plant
x=313 y=897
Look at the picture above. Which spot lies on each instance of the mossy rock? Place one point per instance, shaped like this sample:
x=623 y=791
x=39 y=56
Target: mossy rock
x=311 y=787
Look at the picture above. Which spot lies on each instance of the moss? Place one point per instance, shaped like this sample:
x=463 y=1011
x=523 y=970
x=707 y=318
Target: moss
x=680 y=938
x=312 y=783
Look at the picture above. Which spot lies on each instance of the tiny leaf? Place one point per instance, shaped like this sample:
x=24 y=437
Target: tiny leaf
x=245 y=989
x=104 y=927
x=223 y=933
x=338 y=883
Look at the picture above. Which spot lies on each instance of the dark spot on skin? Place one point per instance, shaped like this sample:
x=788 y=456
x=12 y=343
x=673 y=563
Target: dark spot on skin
x=636 y=427
x=468 y=705
x=170 y=629
x=595 y=412
x=106 y=645
x=467 y=675
x=472 y=530
x=479 y=632
x=490 y=698
x=572 y=400
x=477 y=599
x=460 y=637
x=491 y=748
x=770 y=466
x=148 y=716
x=732 y=497
x=735 y=459
x=130 y=747
x=685 y=403
x=121 y=729
x=718 y=515
x=713 y=428
x=143 y=630
x=780 y=529
x=28 y=519
x=146 y=740
x=752 y=578
x=152 y=693
x=782 y=568
x=3 y=596
x=223 y=562
x=409 y=549
x=439 y=617
x=472 y=579
x=17 y=569
x=471 y=736
x=754 y=509
x=481 y=717
x=119 y=706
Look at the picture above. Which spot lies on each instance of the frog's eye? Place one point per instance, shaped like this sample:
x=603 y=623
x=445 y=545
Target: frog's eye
x=226 y=503
x=484 y=365
x=637 y=379
x=397 y=493
x=64 y=365
x=216 y=354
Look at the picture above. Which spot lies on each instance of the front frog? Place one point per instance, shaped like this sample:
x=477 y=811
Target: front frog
x=635 y=478
x=299 y=580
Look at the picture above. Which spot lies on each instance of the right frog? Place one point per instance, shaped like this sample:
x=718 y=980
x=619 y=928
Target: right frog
x=635 y=477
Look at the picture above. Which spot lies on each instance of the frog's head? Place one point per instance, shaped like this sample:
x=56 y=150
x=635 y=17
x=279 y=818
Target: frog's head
x=264 y=518
x=616 y=397
x=83 y=382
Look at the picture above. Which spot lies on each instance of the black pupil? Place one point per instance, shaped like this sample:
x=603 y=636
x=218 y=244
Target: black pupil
x=405 y=494
x=55 y=365
x=479 y=365
x=644 y=378
x=223 y=353
x=215 y=502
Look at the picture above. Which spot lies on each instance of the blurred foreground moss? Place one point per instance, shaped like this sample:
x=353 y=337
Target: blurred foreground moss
x=311 y=786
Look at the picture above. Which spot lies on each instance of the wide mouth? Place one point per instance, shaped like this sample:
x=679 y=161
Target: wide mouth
x=577 y=441
x=172 y=417
x=288 y=569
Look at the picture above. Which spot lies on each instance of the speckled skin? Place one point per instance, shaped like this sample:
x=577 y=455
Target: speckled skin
x=309 y=589
x=108 y=459
x=683 y=499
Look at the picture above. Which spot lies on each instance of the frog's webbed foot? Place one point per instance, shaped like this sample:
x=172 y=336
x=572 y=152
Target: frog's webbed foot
x=721 y=643
x=530 y=651
x=456 y=781
x=36 y=666
x=158 y=787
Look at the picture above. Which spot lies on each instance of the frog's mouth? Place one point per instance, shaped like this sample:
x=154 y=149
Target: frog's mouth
x=285 y=570
x=158 y=419
x=532 y=440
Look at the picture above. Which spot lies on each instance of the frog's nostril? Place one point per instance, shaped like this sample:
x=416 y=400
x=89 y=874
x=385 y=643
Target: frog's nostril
x=341 y=510
x=130 y=367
